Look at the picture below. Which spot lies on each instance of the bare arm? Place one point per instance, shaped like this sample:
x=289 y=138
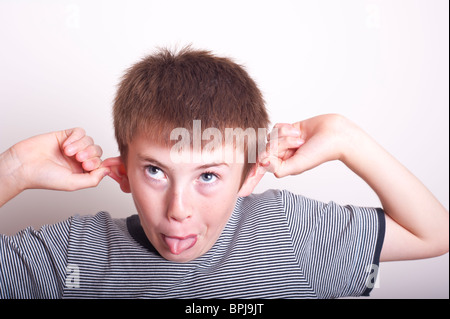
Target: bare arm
x=65 y=160
x=417 y=225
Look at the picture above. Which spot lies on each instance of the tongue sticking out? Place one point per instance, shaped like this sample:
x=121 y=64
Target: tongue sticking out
x=178 y=245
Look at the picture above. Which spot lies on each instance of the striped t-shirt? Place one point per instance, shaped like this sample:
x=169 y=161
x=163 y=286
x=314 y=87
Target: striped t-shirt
x=275 y=245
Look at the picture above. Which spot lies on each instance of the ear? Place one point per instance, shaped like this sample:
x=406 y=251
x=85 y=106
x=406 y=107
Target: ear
x=118 y=172
x=253 y=178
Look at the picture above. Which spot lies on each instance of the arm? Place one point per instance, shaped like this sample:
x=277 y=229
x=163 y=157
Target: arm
x=66 y=160
x=417 y=225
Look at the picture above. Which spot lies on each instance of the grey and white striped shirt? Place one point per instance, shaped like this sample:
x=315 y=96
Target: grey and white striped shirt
x=275 y=245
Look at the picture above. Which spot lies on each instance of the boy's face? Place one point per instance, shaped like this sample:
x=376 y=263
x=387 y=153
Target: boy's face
x=183 y=207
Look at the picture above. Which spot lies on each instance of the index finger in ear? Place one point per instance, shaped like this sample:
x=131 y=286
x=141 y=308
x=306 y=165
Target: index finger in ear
x=116 y=166
x=112 y=161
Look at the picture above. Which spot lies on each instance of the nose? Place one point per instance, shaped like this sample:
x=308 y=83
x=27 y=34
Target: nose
x=178 y=210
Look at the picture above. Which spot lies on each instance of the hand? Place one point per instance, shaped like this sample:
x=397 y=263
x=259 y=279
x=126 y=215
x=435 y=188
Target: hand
x=65 y=160
x=295 y=148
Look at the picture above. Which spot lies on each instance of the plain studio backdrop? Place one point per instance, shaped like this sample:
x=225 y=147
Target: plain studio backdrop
x=382 y=64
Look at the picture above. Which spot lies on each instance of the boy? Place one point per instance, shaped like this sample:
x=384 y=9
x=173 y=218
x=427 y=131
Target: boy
x=200 y=232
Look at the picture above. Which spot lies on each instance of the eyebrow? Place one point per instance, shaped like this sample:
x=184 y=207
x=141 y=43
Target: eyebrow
x=151 y=160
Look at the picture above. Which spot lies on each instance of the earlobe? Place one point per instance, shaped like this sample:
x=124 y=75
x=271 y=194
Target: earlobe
x=253 y=178
x=118 y=172
x=125 y=184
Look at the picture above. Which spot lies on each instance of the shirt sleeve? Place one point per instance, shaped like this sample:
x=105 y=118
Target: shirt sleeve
x=33 y=262
x=338 y=247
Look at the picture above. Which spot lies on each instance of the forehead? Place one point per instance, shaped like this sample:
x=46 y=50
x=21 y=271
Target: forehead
x=143 y=147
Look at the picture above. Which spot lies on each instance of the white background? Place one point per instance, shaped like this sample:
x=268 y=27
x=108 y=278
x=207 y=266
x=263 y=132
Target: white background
x=383 y=64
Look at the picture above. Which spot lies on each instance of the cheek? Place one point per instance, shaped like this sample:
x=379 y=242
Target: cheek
x=217 y=210
x=148 y=202
x=218 y=203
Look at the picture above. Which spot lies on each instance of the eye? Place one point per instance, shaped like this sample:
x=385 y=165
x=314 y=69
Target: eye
x=208 y=178
x=155 y=172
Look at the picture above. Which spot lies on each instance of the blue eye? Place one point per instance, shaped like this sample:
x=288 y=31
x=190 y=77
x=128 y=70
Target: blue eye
x=208 y=177
x=155 y=173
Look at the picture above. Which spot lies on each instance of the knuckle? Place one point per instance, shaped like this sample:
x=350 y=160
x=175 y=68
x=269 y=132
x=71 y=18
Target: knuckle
x=278 y=175
x=98 y=150
x=94 y=150
x=80 y=130
x=91 y=164
x=284 y=130
x=89 y=140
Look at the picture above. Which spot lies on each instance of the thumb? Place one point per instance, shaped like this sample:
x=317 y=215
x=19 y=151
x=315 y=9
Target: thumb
x=87 y=180
x=286 y=167
x=294 y=165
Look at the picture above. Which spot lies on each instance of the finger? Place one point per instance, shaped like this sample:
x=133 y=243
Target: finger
x=283 y=130
x=78 y=145
x=288 y=130
x=91 y=164
x=90 y=152
x=112 y=161
x=115 y=164
x=279 y=155
x=279 y=167
x=72 y=135
x=86 y=180
x=271 y=163
x=283 y=145
x=290 y=166
x=303 y=160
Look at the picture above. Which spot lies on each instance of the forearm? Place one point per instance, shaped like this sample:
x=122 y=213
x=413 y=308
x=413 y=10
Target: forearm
x=404 y=198
x=10 y=183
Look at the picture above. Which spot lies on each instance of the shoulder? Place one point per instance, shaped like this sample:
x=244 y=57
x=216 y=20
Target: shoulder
x=282 y=199
x=57 y=232
x=268 y=194
x=268 y=200
x=101 y=219
x=279 y=204
x=98 y=227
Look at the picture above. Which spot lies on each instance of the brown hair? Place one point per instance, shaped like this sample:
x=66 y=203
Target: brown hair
x=168 y=90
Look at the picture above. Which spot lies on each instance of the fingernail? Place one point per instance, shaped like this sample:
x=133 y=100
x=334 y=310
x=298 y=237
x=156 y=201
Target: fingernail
x=265 y=163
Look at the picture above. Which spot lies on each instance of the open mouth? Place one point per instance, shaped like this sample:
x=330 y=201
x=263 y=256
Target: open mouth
x=177 y=245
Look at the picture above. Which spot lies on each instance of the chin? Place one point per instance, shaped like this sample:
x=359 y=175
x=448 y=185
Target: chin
x=184 y=257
